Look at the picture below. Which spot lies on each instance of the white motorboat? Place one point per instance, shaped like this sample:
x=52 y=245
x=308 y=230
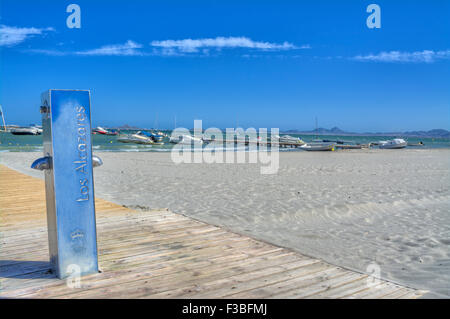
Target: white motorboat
x=185 y=139
x=396 y=143
x=156 y=136
x=133 y=139
x=290 y=139
x=39 y=129
x=318 y=147
x=102 y=131
x=137 y=138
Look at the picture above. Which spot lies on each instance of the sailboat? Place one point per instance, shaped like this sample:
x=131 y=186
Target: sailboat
x=318 y=144
x=186 y=139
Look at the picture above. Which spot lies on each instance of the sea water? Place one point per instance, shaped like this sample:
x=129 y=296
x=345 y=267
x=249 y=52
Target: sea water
x=31 y=143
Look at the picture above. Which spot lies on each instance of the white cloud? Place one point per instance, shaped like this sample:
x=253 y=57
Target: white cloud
x=48 y=52
x=129 y=48
x=203 y=47
x=194 y=45
x=425 y=56
x=11 y=36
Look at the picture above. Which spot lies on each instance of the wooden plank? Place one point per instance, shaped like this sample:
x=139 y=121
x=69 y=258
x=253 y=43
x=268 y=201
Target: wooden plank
x=274 y=290
x=344 y=291
x=231 y=286
x=382 y=287
x=334 y=280
x=413 y=294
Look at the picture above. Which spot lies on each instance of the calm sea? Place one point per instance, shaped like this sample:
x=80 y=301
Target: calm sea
x=28 y=143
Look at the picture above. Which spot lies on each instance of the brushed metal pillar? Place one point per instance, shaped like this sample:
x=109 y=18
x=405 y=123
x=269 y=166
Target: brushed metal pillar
x=69 y=184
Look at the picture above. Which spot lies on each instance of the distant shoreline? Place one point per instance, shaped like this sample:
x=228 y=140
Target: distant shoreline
x=433 y=133
x=335 y=131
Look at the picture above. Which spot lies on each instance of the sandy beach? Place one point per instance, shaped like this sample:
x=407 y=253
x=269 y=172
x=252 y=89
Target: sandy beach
x=349 y=208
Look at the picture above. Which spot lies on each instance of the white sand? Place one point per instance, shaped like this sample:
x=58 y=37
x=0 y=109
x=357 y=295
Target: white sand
x=350 y=208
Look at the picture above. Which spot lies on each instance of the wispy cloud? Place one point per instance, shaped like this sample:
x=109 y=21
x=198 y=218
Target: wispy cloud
x=129 y=48
x=11 y=36
x=200 y=47
x=425 y=56
x=177 y=47
x=48 y=52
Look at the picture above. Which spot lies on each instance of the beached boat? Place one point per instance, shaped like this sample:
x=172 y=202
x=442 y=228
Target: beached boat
x=396 y=143
x=318 y=147
x=33 y=130
x=291 y=140
x=349 y=146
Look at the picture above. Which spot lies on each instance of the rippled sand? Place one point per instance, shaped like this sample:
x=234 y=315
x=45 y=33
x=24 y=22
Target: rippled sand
x=350 y=208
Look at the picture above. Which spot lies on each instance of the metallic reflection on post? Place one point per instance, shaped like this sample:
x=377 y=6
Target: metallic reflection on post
x=42 y=163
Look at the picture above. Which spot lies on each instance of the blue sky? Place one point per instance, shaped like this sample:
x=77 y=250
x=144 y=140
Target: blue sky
x=256 y=63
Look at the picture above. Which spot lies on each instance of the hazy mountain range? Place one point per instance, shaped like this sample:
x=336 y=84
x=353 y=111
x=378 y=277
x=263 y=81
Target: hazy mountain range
x=436 y=133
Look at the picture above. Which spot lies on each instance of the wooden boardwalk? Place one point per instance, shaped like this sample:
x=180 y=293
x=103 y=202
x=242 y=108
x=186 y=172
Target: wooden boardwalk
x=159 y=254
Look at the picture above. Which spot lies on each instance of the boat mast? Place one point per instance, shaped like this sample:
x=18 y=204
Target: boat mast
x=155 y=124
x=3 y=119
x=317 y=130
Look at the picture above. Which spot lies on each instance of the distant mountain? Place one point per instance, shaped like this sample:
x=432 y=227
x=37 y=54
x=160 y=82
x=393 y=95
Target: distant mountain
x=432 y=133
x=126 y=127
x=322 y=131
x=435 y=133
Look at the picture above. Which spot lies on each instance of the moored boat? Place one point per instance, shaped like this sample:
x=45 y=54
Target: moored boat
x=102 y=131
x=138 y=138
x=26 y=131
x=333 y=141
x=157 y=137
x=185 y=139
